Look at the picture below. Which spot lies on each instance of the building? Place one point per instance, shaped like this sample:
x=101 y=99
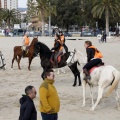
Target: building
x=9 y=4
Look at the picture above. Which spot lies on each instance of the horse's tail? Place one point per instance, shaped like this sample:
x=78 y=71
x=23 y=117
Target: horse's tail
x=115 y=82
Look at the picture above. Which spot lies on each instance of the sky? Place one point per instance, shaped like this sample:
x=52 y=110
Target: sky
x=22 y=3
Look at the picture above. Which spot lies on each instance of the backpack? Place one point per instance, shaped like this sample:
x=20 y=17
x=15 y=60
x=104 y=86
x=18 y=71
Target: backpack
x=98 y=54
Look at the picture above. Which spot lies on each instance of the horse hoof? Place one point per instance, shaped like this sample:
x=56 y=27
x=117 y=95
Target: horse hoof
x=79 y=84
x=74 y=85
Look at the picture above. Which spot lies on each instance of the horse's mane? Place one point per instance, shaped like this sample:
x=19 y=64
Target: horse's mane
x=44 y=48
x=34 y=41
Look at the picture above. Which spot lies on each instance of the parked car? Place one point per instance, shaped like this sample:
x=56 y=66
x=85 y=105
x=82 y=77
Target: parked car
x=66 y=34
x=46 y=33
x=87 y=33
x=38 y=33
x=10 y=34
x=18 y=32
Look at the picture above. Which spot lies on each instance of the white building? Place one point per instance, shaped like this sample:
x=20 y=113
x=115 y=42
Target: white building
x=9 y=4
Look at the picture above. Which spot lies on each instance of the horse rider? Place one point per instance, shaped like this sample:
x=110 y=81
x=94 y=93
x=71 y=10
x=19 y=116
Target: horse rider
x=93 y=58
x=58 y=50
x=62 y=37
x=25 y=42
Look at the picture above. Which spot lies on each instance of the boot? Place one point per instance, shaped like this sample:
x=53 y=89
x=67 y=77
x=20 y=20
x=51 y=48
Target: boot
x=51 y=58
x=87 y=77
x=55 y=64
x=23 y=53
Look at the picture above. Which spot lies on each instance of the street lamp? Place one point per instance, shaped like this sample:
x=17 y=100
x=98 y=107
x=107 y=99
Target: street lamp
x=49 y=22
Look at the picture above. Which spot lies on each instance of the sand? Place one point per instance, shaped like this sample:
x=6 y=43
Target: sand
x=13 y=82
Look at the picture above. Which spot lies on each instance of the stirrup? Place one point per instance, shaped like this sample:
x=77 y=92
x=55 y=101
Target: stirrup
x=87 y=78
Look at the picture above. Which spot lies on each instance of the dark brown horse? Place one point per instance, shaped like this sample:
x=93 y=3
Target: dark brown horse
x=18 y=53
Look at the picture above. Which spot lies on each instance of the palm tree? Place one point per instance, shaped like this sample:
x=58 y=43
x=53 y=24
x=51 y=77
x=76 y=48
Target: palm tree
x=44 y=10
x=31 y=10
x=9 y=16
x=108 y=7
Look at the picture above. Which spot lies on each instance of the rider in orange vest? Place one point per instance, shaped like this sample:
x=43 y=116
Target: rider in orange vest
x=62 y=37
x=58 y=49
x=93 y=58
x=26 y=42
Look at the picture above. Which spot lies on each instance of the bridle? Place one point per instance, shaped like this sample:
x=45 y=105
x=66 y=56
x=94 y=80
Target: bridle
x=72 y=59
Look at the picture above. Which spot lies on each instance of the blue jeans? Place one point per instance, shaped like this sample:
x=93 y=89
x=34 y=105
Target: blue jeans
x=46 y=116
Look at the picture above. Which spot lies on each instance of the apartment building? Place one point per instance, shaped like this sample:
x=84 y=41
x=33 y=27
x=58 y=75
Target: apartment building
x=9 y=4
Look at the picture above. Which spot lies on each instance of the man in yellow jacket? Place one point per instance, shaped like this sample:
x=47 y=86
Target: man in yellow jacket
x=49 y=100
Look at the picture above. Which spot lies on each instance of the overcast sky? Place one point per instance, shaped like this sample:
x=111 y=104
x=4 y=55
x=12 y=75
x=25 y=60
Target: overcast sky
x=22 y=3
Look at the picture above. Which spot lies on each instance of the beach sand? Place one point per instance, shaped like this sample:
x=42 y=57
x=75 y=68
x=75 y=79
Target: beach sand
x=13 y=82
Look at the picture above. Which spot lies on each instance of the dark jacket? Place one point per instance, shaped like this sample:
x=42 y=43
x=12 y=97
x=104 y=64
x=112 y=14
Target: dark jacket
x=90 y=53
x=27 y=109
x=56 y=46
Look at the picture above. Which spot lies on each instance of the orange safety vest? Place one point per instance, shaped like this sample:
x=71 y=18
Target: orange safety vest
x=98 y=54
x=61 y=47
x=27 y=40
x=62 y=38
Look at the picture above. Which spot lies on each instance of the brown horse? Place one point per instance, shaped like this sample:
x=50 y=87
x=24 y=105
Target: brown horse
x=18 y=53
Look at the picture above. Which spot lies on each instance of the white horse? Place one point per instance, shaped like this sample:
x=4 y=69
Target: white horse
x=102 y=77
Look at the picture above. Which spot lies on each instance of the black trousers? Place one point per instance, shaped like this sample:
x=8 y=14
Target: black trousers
x=92 y=63
x=46 y=116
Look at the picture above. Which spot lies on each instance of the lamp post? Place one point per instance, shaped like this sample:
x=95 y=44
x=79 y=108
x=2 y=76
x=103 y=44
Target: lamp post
x=49 y=22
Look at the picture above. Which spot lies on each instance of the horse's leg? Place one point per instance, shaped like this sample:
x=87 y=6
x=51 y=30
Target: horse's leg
x=19 y=58
x=30 y=60
x=91 y=94
x=14 y=57
x=75 y=81
x=100 y=93
x=117 y=98
x=83 y=86
x=79 y=79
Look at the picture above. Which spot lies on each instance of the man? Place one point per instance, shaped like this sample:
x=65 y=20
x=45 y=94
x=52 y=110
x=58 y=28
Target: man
x=26 y=42
x=62 y=37
x=27 y=108
x=49 y=100
x=104 y=36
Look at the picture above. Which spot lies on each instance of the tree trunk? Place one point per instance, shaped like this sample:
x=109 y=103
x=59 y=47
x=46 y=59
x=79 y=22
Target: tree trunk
x=107 y=21
x=8 y=23
x=43 y=23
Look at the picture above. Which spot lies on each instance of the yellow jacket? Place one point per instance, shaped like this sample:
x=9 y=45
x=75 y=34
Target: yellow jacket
x=49 y=100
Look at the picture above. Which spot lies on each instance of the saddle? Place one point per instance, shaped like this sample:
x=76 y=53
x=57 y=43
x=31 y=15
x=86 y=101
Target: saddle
x=101 y=64
x=26 y=50
x=58 y=58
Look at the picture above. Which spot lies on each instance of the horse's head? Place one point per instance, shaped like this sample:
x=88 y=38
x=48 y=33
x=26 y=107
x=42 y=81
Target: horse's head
x=36 y=48
x=72 y=57
x=35 y=40
x=41 y=48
